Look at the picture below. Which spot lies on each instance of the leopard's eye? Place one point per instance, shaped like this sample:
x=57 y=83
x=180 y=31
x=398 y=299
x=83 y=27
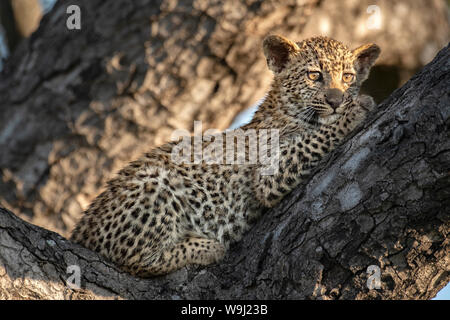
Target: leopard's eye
x=348 y=77
x=314 y=75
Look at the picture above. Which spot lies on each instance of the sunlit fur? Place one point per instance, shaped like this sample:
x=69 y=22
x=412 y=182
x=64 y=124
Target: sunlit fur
x=304 y=98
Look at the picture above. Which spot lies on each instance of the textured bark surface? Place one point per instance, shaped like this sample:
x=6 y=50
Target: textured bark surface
x=381 y=199
x=78 y=104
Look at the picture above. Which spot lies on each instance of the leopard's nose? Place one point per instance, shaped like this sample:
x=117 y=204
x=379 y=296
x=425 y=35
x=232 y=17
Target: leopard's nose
x=334 y=97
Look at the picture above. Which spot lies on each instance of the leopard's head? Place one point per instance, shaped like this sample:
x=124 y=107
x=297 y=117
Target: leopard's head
x=317 y=78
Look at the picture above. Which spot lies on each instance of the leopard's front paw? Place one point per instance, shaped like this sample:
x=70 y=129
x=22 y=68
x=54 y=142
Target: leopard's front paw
x=366 y=102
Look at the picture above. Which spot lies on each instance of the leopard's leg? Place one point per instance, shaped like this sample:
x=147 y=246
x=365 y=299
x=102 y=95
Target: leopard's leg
x=190 y=250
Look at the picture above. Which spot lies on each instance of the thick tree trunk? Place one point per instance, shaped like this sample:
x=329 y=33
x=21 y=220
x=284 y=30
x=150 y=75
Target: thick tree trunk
x=380 y=201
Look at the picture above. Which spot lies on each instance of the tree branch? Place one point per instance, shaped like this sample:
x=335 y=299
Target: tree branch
x=381 y=200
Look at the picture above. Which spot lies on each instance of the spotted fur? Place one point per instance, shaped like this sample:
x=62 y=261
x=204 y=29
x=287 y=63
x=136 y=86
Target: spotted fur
x=157 y=216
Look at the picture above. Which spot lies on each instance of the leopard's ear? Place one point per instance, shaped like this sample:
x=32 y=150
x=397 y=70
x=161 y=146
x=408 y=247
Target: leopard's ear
x=365 y=57
x=278 y=50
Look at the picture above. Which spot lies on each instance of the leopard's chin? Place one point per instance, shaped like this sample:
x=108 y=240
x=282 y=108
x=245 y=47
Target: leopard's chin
x=329 y=119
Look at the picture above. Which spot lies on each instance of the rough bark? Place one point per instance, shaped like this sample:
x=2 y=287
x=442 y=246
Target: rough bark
x=78 y=104
x=381 y=199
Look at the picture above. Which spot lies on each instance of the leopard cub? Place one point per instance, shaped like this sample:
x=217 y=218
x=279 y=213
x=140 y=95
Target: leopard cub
x=158 y=215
